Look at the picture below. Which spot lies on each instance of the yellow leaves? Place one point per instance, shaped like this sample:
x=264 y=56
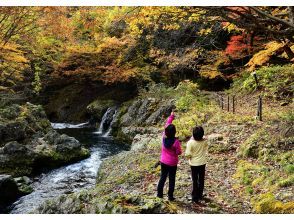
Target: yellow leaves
x=263 y=56
x=211 y=70
x=11 y=53
x=231 y=27
x=205 y=31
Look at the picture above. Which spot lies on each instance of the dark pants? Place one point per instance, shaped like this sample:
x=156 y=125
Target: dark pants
x=198 y=174
x=169 y=171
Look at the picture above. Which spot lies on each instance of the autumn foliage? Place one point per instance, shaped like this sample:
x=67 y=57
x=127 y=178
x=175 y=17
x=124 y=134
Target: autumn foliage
x=137 y=44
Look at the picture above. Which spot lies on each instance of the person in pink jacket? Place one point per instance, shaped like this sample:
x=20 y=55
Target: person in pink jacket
x=170 y=150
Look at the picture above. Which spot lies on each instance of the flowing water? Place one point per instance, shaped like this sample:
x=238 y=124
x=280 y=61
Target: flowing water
x=73 y=177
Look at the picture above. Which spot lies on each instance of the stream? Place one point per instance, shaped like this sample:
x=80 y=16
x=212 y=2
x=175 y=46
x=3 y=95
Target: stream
x=74 y=177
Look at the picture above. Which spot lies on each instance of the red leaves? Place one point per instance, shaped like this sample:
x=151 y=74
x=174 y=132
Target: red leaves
x=238 y=46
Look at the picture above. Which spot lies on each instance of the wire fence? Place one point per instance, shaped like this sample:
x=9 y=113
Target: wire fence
x=236 y=104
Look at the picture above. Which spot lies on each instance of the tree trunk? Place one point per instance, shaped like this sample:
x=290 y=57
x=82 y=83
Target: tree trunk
x=291 y=14
x=289 y=52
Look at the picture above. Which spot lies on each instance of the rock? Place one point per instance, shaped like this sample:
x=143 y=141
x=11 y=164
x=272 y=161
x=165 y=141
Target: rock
x=51 y=137
x=114 y=204
x=14 y=148
x=15 y=130
x=147 y=111
x=8 y=190
x=21 y=122
x=66 y=144
x=142 y=141
x=128 y=118
x=23 y=184
x=161 y=113
x=97 y=108
x=49 y=152
x=133 y=131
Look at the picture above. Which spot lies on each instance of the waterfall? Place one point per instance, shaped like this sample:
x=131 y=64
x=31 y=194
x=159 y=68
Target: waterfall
x=111 y=123
x=107 y=121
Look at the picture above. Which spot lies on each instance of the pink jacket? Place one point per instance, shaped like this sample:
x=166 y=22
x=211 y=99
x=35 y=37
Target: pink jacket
x=169 y=156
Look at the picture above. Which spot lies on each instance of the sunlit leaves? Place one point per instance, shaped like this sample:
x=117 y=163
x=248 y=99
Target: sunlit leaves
x=263 y=56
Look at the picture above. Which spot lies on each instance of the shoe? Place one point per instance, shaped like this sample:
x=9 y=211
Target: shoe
x=159 y=196
x=171 y=198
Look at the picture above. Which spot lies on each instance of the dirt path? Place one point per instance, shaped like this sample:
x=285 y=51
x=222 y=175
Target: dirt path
x=220 y=195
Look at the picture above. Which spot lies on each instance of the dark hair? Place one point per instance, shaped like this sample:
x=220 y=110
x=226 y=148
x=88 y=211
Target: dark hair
x=170 y=131
x=198 y=133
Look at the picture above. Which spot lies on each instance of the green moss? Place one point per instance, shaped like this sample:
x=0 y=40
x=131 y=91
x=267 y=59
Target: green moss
x=25 y=189
x=266 y=203
x=287 y=182
x=275 y=81
x=98 y=107
x=289 y=168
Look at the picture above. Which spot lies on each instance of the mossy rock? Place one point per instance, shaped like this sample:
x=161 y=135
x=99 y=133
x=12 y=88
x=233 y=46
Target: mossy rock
x=267 y=204
x=130 y=204
x=98 y=107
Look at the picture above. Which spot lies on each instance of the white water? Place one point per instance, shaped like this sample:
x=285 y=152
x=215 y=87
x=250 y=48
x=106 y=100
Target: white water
x=67 y=125
x=68 y=179
x=110 y=126
x=106 y=115
x=71 y=178
x=100 y=130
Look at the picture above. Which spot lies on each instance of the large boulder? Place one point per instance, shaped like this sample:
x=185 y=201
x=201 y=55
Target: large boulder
x=41 y=153
x=20 y=122
x=161 y=113
x=8 y=190
x=29 y=144
x=148 y=111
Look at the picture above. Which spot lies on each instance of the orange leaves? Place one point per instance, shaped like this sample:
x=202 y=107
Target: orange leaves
x=105 y=64
x=237 y=46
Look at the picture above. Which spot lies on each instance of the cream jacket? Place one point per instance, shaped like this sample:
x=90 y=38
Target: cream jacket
x=196 y=151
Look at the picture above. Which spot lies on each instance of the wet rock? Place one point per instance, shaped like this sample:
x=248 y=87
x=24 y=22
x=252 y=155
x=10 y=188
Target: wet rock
x=8 y=190
x=67 y=144
x=24 y=184
x=97 y=108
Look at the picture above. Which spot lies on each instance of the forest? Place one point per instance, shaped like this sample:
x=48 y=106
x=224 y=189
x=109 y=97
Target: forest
x=85 y=92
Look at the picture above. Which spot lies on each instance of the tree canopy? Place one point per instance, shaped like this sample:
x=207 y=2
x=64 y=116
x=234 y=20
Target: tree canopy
x=141 y=44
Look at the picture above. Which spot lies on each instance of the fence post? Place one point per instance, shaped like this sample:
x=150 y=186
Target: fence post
x=222 y=101
x=233 y=104
x=228 y=103
x=260 y=108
